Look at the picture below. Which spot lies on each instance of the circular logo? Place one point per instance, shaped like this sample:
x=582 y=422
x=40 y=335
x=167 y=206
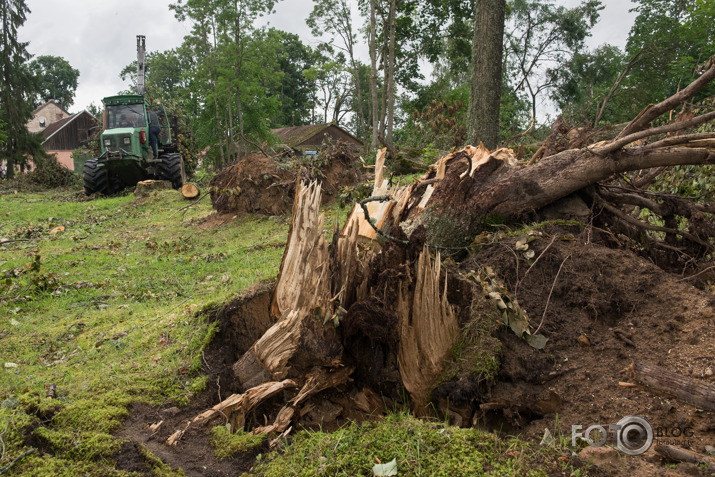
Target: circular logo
x=634 y=435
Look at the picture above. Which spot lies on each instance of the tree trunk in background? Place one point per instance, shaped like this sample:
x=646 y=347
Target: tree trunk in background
x=487 y=49
x=390 y=83
x=373 y=75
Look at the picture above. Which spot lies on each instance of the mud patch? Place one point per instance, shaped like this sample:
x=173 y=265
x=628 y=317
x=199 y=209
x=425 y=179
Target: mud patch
x=241 y=322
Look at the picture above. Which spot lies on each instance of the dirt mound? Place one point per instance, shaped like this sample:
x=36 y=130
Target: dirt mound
x=601 y=309
x=265 y=185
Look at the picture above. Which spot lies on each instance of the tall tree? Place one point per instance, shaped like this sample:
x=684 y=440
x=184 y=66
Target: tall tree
x=333 y=17
x=543 y=34
x=333 y=86
x=372 y=46
x=487 y=50
x=18 y=87
x=230 y=75
x=56 y=80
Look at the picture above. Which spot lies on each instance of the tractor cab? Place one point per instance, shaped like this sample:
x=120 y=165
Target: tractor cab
x=125 y=121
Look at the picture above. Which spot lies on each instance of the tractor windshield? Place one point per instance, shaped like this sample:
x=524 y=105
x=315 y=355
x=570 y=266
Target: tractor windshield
x=125 y=116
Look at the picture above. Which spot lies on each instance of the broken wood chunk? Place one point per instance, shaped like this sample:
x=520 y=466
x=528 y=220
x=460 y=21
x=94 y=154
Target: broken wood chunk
x=155 y=427
x=687 y=390
x=676 y=454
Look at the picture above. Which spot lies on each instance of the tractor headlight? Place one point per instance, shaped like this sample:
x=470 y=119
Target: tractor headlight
x=107 y=142
x=127 y=141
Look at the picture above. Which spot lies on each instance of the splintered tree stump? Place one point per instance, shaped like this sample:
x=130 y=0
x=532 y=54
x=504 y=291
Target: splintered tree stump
x=144 y=188
x=190 y=191
x=319 y=283
x=687 y=390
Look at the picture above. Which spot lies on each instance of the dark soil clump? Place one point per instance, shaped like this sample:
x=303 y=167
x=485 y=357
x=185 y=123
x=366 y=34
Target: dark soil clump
x=266 y=185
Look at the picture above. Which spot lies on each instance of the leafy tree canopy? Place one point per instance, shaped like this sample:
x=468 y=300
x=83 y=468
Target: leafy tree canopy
x=56 y=79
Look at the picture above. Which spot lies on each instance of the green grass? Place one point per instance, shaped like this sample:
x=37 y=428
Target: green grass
x=420 y=448
x=227 y=443
x=106 y=312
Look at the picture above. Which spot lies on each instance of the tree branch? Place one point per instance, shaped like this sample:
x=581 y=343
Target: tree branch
x=653 y=111
x=622 y=140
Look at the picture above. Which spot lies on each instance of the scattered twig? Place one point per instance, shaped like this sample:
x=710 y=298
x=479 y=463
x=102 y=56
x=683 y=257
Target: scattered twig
x=625 y=338
x=699 y=273
x=205 y=362
x=9 y=466
x=184 y=209
x=2 y=454
x=550 y=292
x=516 y=288
x=263 y=151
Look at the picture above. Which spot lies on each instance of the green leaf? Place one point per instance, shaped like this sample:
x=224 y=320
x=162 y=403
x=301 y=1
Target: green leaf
x=537 y=341
x=385 y=470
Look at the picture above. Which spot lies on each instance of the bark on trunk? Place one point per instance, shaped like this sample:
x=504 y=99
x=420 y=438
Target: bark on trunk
x=487 y=49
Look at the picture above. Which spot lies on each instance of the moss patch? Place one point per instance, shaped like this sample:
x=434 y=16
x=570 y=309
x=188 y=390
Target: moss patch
x=227 y=444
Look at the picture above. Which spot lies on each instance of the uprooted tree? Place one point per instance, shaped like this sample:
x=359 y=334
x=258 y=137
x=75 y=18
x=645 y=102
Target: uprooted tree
x=376 y=305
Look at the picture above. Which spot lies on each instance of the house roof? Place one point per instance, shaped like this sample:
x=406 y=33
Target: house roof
x=43 y=106
x=294 y=136
x=57 y=126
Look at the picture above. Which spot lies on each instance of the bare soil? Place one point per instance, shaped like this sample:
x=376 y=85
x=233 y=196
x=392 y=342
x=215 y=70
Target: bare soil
x=606 y=308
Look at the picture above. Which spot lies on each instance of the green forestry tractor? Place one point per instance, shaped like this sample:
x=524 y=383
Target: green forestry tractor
x=127 y=156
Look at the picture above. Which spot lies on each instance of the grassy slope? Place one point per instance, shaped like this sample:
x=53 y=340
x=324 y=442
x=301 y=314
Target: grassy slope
x=107 y=313
x=110 y=313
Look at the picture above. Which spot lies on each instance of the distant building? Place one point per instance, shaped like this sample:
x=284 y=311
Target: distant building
x=47 y=114
x=68 y=134
x=307 y=139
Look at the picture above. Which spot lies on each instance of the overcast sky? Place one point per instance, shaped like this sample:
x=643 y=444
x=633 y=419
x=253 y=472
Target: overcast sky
x=99 y=38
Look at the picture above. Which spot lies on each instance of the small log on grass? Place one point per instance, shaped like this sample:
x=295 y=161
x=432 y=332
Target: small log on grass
x=687 y=390
x=190 y=191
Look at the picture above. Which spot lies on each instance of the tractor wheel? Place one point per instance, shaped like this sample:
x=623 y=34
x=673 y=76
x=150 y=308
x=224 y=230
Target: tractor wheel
x=171 y=168
x=96 y=179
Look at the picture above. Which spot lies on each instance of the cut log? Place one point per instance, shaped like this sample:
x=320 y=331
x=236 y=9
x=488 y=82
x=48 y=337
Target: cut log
x=144 y=188
x=190 y=191
x=687 y=390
